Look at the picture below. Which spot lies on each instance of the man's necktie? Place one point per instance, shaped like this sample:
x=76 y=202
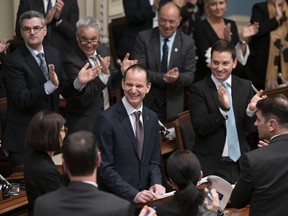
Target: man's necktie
x=139 y=133
x=43 y=65
x=164 y=61
x=161 y=93
x=49 y=27
x=231 y=129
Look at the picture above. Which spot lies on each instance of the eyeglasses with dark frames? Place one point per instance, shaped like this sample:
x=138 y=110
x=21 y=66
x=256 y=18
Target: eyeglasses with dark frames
x=85 y=41
x=36 y=29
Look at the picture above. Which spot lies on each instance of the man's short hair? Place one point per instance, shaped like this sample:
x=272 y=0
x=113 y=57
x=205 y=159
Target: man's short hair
x=274 y=107
x=88 y=22
x=224 y=46
x=31 y=14
x=80 y=153
x=137 y=67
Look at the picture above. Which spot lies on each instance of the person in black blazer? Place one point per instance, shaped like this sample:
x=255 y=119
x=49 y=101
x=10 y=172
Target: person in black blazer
x=82 y=110
x=28 y=90
x=139 y=16
x=209 y=106
x=124 y=171
x=82 y=196
x=61 y=20
x=180 y=65
x=256 y=67
x=45 y=134
x=262 y=182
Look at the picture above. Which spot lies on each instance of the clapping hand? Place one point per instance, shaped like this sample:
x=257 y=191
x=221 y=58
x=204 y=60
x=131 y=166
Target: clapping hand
x=52 y=75
x=250 y=30
x=87 y=74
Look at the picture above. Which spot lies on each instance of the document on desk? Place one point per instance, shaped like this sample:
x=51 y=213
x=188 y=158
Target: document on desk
x=223 y=188
x=162 y=196
x=57 y=159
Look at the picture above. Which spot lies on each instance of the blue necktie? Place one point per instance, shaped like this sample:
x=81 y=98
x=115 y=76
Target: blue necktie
x=43 y=65
x=231 y=130
x=139 y=133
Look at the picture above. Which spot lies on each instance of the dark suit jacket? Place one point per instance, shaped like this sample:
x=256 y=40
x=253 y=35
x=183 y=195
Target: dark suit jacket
x=147 y=52
x=63 y=36
x=121 y=171
x=263 y=179
x=80 y=198
x=205 y=37
x=26 y=96
x=139 y=16
x=82 y=110
x=259 y=46
x=209 y=123
x=41 y=176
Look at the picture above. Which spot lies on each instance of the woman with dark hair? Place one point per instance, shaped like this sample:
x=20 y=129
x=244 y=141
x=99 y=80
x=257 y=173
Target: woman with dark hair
x=184 y=171
x=45 y=135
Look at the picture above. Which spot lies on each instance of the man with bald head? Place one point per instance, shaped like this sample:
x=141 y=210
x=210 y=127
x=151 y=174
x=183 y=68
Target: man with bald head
x=169 y=56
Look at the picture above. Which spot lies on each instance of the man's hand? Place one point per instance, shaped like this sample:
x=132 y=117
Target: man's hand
x=3 y=46
x=127 y=63
x=171 y=76
x=263 y=143
x=147 y=211
x=157 y=189
x=86 y=74
x=223 y=98
x=105 y=63
x=52 y=75
x=59 y=6
x=255 y=99
x=144 y=196
x=50 y=15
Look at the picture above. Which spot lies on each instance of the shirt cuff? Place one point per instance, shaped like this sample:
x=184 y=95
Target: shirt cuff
x=250 y=113
x=104 y=77
x=77 y=85
x=49 y=87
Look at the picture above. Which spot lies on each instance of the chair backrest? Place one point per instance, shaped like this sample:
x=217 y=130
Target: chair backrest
x=185 y=135
x=115 y=29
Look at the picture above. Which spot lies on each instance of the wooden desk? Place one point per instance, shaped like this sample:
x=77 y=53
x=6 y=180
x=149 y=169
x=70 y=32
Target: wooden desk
x=237 y=212
x=168 y=146
x=16 y=204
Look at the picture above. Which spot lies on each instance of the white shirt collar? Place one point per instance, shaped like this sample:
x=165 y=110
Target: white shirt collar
x=130 y=110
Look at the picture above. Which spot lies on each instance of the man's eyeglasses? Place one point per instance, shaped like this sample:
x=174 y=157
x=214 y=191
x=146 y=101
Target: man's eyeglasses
x=36 y=29
x=64 y=129
x=93 y=41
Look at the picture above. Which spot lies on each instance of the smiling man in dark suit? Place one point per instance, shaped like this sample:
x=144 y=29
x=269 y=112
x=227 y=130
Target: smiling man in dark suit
x=130 y=165
x=211 y=110
x=171 y=64
x=34 y=80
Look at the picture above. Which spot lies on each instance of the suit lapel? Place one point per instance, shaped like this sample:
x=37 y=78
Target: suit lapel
x=146 y=126
x=33 y=65
x=236 y=94
x=175 y=50
x=125 y=121
x=155 y=52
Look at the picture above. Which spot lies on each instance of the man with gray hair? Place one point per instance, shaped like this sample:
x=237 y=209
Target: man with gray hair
x=82 y=111
x=34 y=80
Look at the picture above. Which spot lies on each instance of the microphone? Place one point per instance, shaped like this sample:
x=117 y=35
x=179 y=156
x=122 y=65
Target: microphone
x=254 y=88
x=280 y=76
x=6 y=187
x=163 y=129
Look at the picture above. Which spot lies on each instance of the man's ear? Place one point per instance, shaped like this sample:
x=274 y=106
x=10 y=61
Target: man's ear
x=99 y=159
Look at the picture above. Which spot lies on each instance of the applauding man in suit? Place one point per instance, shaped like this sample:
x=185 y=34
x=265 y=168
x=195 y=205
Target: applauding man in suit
x=218 y=113
x=169 y=56
x=82 y=110
x=129 y=143
x=34 y=80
